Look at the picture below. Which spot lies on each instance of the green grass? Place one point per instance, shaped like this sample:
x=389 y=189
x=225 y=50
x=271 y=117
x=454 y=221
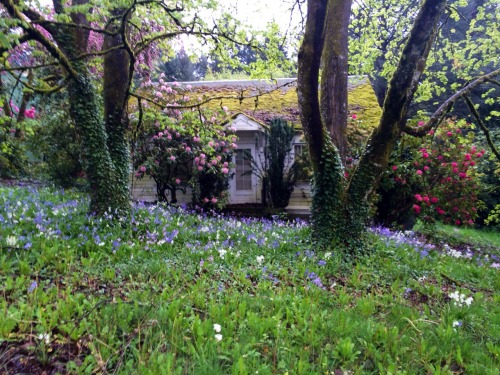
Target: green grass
x=144 y=298
x=468 y=235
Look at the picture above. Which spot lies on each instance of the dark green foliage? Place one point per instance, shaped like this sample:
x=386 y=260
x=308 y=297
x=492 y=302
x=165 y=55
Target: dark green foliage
x=275 y=170
x=57 y=145
x=282 y=177
x=490 y=182
x=180 y=68
x=13 y=160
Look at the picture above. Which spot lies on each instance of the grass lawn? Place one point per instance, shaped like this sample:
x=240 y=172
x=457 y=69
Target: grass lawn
x=182 y=293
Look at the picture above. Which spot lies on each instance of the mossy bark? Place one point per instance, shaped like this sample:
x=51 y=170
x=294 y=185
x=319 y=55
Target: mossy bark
x=334 y=100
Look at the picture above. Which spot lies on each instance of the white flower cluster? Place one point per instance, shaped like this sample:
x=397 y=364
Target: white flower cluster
x=460 y=299
x=451 y=252
x=217 y=329
x=44 y=337
x=260 y=259
x=11 y=241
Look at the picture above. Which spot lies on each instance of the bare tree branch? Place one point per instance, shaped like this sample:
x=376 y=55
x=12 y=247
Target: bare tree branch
x=483 y=127
x=420 y=131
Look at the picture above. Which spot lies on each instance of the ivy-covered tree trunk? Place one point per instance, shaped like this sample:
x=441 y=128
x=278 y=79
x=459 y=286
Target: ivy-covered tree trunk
x=118 y=67
x=340 y=206
x=328 y=212
x=105 y=150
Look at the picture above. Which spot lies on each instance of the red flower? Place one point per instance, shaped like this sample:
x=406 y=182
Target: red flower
x=416 y=208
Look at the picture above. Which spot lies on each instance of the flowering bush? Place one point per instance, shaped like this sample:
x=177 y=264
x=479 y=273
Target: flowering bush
x=185 y=148
x=435 y=178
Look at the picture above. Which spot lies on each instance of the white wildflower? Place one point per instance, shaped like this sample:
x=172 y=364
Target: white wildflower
x=44 y=337
x=217 y=328
x=460 y=299
x=218 y=337
x=11 y=241
x=260 y=259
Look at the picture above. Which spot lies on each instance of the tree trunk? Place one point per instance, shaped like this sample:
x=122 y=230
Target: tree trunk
x=328 y=212
x=116 y=83
x=335 y=73
x=338 y=211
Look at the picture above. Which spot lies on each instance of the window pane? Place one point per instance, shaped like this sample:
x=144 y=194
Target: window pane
x=243 y=167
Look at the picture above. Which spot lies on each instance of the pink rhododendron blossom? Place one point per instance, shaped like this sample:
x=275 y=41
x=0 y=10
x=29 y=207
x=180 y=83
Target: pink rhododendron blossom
x=214 y=200
x=142 y=168
x=394 y=167
x=418 y=197
x=419 y=172
x=416 y=208
x=426 y=168
x=177 y=181
x=172 y=158
x=225 y=170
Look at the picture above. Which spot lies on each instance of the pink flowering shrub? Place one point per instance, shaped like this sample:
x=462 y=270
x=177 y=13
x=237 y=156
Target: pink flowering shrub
x=434 y=178
x=180 y=148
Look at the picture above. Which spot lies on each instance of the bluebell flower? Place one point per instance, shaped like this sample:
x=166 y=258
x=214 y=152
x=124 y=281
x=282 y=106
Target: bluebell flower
x=32 y=287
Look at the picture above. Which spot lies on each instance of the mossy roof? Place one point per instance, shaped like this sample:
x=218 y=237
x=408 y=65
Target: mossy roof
x=265 y=100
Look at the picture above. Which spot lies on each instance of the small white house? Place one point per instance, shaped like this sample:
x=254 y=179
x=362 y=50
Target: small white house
x=276 y=99
x=244 y=187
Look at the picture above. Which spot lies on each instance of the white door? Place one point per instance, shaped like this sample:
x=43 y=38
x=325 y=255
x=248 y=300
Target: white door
x=243 y=185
